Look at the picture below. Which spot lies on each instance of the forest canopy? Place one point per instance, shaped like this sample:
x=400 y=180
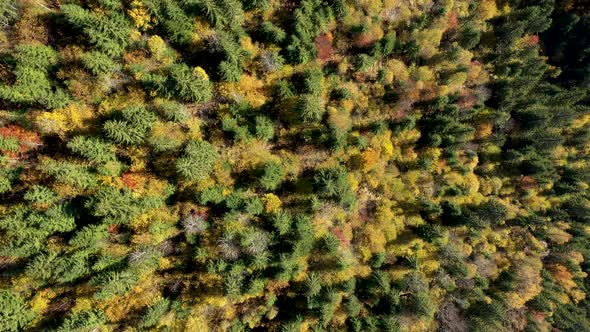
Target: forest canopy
x=305 y=165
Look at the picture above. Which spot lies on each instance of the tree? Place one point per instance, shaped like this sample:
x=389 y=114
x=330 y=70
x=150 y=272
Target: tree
x=198 y=160
x=68 y=173
x=310 y=108
x=282 y=221
x=40 y=195
x=9 y=12
x=310 y=19
x=175 y=20
x=109 y=33
x=273 y=33
x=132 y=126
x=120 y=206
x=26 y=229
x=98 y=63
x=264 y=128
x=230 y=71
x=115 y=283
x=313 y=284
x=93 y=149
x=272 y=175
x=188 y=85
x=170 y=110
x=83 y=321
x=353 y=306
x=153 y=313
x=333 y=183
x=271 y=61
x=312 y=82
x=15 y=314
x=194 y=223
x=220 y=13
x=32 y=85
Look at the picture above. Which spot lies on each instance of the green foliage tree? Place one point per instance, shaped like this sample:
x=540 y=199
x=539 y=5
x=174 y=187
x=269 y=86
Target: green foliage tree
x=132 y=127
x=170 y=110
x=15 y=314
x=40 y=194
x=94 y=149
x=333 y=183
x=108 y=32
x=33 y=87
x=272 y=175
x=98 y=63
x=153 y=314
x=273 y=33
x=264 y=128
x=187 y=85
x=198 y=161
x=9 y=12
x=84 y=320
x=310 y=108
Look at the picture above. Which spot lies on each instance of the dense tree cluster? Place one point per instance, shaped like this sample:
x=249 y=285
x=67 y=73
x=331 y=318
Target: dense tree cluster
x=266 y=165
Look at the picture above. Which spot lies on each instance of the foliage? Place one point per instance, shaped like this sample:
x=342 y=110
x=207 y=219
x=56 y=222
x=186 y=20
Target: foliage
x=14 y=312
x=198 y=161
x=313 y=165
x=188 y=85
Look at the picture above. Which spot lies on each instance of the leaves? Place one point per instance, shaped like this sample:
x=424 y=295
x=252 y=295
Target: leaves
x=15 y=315
x=199 y=159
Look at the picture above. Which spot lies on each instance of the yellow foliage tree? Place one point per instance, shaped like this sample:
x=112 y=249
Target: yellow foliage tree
x=272 y=203
x=140 y=15
x=527 y=274
x=248 y=88
x=429 y=40
x=73 y=117
x=369 y=159
x=159 y=50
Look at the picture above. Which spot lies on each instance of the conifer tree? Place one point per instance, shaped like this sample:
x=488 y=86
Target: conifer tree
x=15 y=315
x=198 y=161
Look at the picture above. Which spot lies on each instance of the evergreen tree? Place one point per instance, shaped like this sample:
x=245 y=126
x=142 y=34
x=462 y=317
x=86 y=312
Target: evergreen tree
x=109 y=32
x=188 y=85
x=15 y=314
x=198 y=161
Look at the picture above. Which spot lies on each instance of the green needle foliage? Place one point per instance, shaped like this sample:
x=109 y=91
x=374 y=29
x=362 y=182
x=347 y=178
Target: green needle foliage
x=312 y=165
x=198 y=161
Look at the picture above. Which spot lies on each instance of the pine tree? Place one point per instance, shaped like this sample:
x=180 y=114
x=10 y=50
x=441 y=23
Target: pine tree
x=98 y=63
x=264 y=128
x=93 y=149
x=123 y=132
x=108 y=32
x=72 y=267
x=170 y=110
x=154 y=312
x=333 y=183
x=198 y=160
x=272 y=32
x=282 y=221
x=68 y=173
x=133 y=126
x=310 y=108
x=115 y=283
x=175 y=21
x=188 y=85
x=313 y=285
x=83 y=321
x=9 y=12
x=89 y=236
x=15 y=314
x=272 y=176
x=33 y=87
